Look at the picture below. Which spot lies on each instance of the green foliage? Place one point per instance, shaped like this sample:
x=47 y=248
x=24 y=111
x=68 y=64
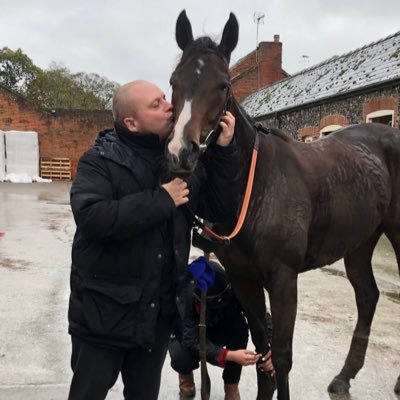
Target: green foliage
x=395 y=54
x=97 y=85
x=55 y=87
x=16 y=70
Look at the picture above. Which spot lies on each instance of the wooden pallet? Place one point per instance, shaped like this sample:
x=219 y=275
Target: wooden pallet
x=58 y=169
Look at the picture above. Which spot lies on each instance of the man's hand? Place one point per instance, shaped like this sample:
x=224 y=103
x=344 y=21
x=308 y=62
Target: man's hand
x=177 y=189
x=227 y=124
x=243 y=357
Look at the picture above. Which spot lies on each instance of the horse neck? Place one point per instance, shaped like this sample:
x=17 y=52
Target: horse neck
x=244 y=136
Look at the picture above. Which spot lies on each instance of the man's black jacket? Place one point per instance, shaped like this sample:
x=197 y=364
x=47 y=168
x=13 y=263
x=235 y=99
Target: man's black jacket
x=132 y=244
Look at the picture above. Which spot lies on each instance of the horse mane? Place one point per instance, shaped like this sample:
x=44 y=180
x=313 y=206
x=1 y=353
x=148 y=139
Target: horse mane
x=200 y=46
x=276 y=132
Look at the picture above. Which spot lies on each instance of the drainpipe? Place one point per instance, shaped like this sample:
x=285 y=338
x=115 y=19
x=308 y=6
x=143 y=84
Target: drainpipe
x=319 y=122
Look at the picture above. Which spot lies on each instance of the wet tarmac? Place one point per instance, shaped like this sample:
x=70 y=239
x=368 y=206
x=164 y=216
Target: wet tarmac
x=35 y=346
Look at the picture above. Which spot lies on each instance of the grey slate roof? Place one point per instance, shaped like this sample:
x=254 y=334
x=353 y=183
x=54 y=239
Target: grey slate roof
x=372 y=64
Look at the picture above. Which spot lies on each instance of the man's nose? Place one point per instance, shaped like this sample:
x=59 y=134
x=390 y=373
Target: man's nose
x=168 y=106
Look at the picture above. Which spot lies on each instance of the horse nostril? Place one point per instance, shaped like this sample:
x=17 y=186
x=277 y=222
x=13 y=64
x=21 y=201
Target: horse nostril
x=195 y=148
x=188 y=148
x=193 y=155
x=173 y=159
x=188 y=155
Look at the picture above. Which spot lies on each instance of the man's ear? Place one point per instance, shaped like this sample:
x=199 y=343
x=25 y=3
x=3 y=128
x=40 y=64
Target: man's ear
x=131 y=124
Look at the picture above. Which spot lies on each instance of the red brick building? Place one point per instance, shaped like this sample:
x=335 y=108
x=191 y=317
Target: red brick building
x=61 y=133
x=360 y=86
x=260 y=68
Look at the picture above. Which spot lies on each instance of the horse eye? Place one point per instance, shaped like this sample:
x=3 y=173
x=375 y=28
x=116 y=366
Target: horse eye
x=223 y=86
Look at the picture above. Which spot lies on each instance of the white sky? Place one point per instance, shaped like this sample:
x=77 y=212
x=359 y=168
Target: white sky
x=131 y=39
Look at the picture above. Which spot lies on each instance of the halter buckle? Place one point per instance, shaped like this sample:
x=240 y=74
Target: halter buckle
x=204 y=145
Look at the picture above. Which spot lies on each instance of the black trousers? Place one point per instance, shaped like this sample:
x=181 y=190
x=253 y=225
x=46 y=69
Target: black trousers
x=231 y=332
x=96 y=369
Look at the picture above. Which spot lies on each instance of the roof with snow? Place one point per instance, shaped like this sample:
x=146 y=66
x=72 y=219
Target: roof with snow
x=373 y=64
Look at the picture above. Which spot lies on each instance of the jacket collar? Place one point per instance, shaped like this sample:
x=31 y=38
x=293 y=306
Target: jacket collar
x=111 y=146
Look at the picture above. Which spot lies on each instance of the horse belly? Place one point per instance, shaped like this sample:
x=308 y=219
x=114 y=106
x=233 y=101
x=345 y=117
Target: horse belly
x=346 y=228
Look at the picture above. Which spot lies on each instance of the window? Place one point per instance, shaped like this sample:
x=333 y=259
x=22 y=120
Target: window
x=381 y=116
x=328 y=129
x=309 y=139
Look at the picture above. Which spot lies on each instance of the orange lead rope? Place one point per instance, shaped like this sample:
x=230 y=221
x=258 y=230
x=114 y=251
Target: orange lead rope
x=246 y=199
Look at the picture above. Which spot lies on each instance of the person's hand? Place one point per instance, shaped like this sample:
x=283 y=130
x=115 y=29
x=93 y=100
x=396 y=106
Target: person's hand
x=266 y=364
x=177 y=189
x=243 y=357
x=227 y=124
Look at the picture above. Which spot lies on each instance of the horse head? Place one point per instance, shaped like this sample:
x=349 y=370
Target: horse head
x=201 y=91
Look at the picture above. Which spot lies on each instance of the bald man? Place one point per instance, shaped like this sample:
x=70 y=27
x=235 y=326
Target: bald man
x=132 y=243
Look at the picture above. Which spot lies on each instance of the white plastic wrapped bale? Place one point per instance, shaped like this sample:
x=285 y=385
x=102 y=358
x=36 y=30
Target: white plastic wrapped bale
x=2 y=157
x=22 y=153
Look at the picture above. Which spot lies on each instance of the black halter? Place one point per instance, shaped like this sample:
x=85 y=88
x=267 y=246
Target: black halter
x=214 y=133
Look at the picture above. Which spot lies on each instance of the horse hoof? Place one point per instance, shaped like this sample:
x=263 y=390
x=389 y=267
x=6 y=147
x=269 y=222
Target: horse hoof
x=397 y=386
x=339 y=386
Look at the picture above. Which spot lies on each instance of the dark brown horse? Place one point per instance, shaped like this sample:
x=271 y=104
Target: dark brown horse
x=312 y=204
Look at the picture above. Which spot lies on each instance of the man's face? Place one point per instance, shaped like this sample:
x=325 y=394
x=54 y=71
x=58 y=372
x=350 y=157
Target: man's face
x=153 y=114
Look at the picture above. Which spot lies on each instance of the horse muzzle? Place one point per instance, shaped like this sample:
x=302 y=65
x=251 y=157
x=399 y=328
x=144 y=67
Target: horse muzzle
x=185 y=162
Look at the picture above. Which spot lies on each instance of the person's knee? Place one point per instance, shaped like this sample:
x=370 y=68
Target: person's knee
x=181 y=359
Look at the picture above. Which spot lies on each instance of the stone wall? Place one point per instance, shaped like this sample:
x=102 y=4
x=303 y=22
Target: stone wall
x=309 y=120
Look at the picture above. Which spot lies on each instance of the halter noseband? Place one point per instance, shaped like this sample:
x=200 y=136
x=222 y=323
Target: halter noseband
x=214 y=133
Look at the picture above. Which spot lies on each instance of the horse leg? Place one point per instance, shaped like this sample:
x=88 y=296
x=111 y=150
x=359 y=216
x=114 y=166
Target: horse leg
x=359 y=271
x=250 y=294
x=282 y=289
x=394 y=238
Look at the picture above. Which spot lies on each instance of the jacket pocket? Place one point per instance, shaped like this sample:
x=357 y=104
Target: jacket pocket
x=110 y=310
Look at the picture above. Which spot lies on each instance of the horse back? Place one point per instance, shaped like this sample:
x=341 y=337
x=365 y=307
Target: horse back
x=317 y=202
x=352 y=187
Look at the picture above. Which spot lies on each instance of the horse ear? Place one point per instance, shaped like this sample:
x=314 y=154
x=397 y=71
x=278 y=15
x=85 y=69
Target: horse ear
x=183 y=31
x=230 y=37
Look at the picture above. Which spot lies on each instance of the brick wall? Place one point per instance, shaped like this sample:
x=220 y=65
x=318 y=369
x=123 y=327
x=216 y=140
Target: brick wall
x=62 y=133
x=383 y=103
x=308 y=131
x=248 y=75
x=245 y=84
x=333 y=119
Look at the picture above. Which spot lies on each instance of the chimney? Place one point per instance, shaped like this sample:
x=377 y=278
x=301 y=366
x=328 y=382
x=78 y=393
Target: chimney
x=249 y=75
x=270 y=62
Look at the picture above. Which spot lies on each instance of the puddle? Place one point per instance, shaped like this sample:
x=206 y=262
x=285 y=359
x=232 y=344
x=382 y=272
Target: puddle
x=59 y=202
x=392 y=294
x=12 y=263
x=333 y=271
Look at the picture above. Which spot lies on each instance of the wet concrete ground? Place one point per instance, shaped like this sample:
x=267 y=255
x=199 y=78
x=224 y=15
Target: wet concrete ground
x=35 y=346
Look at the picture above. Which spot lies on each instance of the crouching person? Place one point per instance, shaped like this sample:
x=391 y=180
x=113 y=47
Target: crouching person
x=226 y=334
